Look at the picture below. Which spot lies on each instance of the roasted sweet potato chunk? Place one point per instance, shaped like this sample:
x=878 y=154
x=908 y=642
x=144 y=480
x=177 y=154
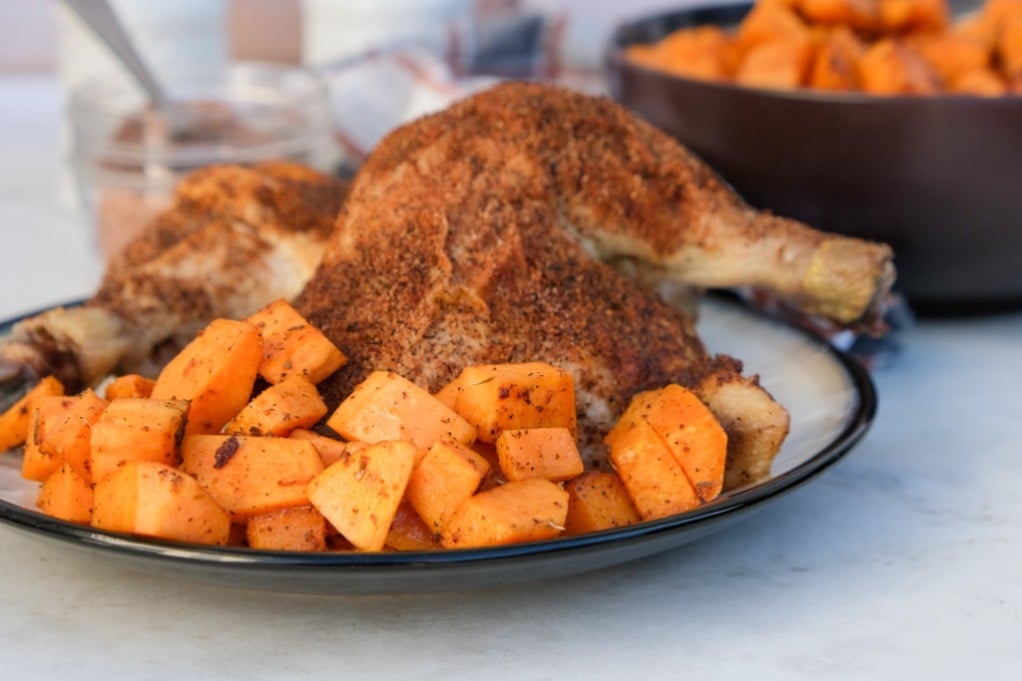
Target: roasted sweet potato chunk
x=550 y=453
x=497 y=397
x=215 y=373
x=598 y=500
x=292 y=403
x=292 y=346
x=15 y=421
x=360 y=494
x=447 y=475
x=66 y=494
x=655 y=481
x=60 y=433
x=519 y=511
x=151 y=499
x=386 y=406
x=297 y=528
x=249 y=476
x=136 y=429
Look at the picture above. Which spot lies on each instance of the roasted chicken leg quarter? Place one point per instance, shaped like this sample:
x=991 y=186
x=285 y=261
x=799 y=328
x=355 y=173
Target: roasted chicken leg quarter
x=481 y=234
x=233 y=239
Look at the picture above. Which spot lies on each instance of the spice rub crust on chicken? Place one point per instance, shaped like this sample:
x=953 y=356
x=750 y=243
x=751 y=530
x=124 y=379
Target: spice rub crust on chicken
x=233 y=239
x=479 y=235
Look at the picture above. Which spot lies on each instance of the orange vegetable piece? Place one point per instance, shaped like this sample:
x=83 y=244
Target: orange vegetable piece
x=863 y=15
x=981 y=83
x=386 y=406
x=129 y=385
x=690 y=431
x=292 y=403
x=292 y=346
x=598 y=500
x=59 y=433
x=215 y=372
x=1009 y=45
x=550 y=453
x=496 y=397
x=297 y=528
x=519 y=511
x=409 y=532
x=889 y=67
x=952 y=54
x=770 y=22
x=15 y=421
x=447 y=475
x=901 y=16
x=836 y=63
x=136 y=429
x=655 y=481
x=249 y=476
x=782 y=65
x=66 y=495
x=701 y=52
x=330 y=449
x=360 y=494
x=152 y=499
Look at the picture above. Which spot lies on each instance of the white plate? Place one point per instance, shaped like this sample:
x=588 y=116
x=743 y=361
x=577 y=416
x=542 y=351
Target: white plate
x=830 y=397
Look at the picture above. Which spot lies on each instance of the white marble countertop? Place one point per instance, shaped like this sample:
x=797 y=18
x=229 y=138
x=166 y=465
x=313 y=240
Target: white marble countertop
x=902 y=562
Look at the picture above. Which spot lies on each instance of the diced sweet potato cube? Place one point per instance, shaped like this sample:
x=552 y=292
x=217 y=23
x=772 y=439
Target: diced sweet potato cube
x=519 y=511
x=292 y=403
x=902 y=16
x=550 y=453
x=1009 y=45
x=66 y=495
x=782 y=65
x=836 y=63
x=359 y=495
x=59 y=433
x=386 y=406
x=699 y=52
x=330 y=448
x=497 y=397
x=598 y=500
x=769 y=23
x=15 y=421
x=152 y=499
x=215 y=372
x=862 y=15
x=249 y=476
x=447 y=475
x=690 y=430
x=136 y=429
x=952 y=54
x=655 y=480
x=292 y=346
x=298 y=528
x=981 y=82
x=409 y=532
x=129 y=385
x=889 y=67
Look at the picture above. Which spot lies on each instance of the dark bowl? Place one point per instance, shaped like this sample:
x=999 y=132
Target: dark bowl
x=938 y=178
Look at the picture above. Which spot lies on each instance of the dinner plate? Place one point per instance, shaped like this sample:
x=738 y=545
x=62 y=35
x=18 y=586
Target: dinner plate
x=830 y=397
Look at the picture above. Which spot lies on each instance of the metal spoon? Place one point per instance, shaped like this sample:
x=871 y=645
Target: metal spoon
x=101 y=18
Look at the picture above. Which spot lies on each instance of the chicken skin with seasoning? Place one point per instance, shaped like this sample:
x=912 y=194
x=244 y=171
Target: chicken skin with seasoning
x=483 y=233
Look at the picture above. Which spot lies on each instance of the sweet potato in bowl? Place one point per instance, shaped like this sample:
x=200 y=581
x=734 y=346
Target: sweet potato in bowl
x=933 y=176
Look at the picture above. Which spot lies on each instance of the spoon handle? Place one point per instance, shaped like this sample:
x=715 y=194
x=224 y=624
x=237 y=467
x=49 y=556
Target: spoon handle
x=101 y=18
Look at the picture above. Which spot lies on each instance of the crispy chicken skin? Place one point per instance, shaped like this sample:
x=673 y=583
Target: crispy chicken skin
x=233 y=239
x=468 y=237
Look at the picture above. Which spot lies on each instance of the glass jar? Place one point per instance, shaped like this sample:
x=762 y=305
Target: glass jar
x=127 y=158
